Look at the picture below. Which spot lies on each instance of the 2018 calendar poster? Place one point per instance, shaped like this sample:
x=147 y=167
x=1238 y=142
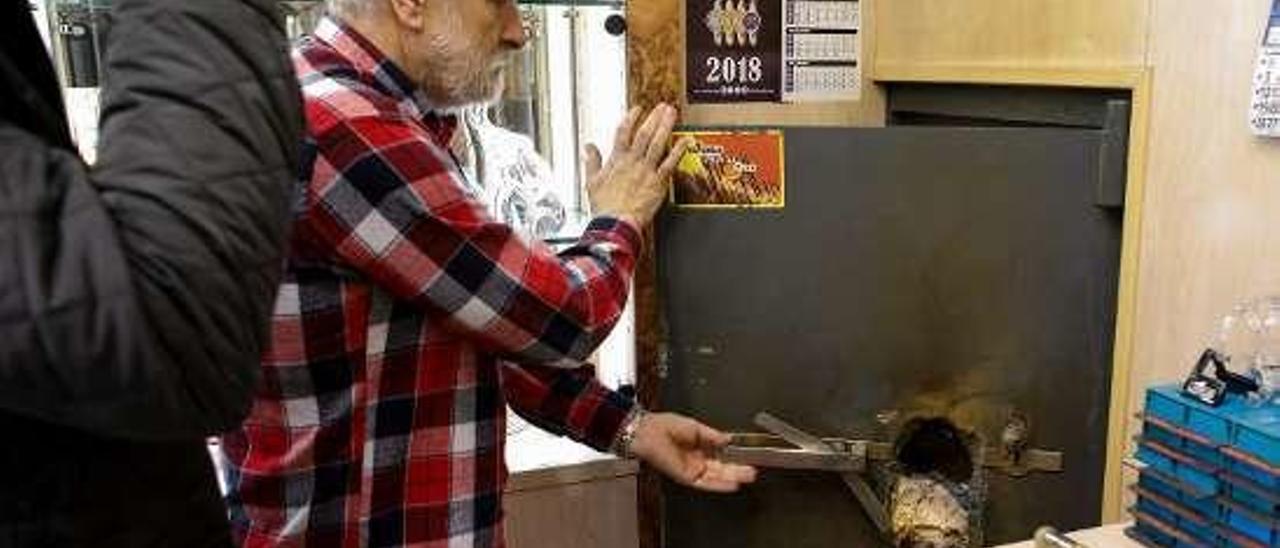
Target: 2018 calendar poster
x=733 y=50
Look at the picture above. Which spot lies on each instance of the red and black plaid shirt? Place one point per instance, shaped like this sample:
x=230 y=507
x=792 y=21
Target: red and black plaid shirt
x=380 y=419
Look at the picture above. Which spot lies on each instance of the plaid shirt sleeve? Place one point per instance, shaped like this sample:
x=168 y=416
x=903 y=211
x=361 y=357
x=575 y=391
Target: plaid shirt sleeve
x=388 y=201
x=568 y=402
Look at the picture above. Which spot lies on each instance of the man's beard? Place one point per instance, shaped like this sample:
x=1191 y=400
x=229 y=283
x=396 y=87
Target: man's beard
x=486 y=86
x=470 y=82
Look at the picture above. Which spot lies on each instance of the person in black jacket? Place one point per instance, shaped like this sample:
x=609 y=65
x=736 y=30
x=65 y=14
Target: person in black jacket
x=134 y=294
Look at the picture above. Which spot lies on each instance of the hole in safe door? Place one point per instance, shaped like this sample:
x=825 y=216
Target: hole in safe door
x=934 y=445
x=935 y=488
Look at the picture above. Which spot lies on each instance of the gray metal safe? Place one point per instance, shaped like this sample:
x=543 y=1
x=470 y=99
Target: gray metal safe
x=962 y=263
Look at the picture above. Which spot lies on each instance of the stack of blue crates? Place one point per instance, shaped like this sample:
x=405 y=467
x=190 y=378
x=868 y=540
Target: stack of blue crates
x=1212 y=474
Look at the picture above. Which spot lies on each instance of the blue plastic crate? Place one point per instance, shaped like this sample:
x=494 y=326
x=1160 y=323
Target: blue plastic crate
x=1234 y=539
x=1254 y=525
x=1205 y=454
x=1163 y=533
x=1160 y=435
x=1257 y=432
x=1257 y=497
x=1170 y=407
x=1254 y=430
x=1170 y=487
x=1252 y=468
x=1168 y=403
x=1182 y=440
x=1148 y=535
x=1205 y=533
x=1199 y=476
x=1173 y=513
x=1159 y=511
x=1159 y=484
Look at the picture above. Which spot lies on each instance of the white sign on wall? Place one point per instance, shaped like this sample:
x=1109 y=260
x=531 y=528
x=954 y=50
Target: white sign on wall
x=1264 y=108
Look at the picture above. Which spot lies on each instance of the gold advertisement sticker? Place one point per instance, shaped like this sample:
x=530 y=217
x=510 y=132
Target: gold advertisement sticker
x=730 y=169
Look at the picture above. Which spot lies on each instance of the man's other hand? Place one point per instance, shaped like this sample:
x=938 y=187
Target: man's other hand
x=686 y=451
x=634 y=182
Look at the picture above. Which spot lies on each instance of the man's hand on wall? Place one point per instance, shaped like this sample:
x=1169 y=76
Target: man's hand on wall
x=634 y=182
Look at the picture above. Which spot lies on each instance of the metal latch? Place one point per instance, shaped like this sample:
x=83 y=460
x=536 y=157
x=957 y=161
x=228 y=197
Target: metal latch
x=780 y=449
x=789 y=447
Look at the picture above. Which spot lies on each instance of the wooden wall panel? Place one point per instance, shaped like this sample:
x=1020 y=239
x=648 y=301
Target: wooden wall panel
x=1212 y=199
x=655 y=42
x=582 y=506
x=1042 y=34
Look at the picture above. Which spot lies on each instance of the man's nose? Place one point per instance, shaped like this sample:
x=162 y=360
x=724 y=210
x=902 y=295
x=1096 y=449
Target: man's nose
x=514 y=35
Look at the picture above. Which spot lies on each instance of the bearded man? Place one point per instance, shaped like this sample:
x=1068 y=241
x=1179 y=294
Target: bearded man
x=409 y=317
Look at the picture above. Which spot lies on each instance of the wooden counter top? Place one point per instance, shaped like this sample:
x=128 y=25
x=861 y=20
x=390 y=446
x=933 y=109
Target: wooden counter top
x=568 y=474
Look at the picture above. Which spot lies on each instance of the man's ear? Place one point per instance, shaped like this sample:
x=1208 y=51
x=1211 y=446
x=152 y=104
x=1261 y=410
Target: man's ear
x=410 y=13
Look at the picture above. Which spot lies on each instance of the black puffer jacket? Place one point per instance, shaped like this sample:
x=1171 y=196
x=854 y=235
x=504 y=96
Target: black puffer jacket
x=134 y=294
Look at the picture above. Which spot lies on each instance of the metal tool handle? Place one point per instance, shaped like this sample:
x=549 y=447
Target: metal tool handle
x=871 y=504
x=769 y=451
x=789 y=447
x=1048 y=537
x=795 y=436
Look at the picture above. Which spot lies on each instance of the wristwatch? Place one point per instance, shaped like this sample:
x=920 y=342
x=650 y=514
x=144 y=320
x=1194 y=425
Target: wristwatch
x=622 y=445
